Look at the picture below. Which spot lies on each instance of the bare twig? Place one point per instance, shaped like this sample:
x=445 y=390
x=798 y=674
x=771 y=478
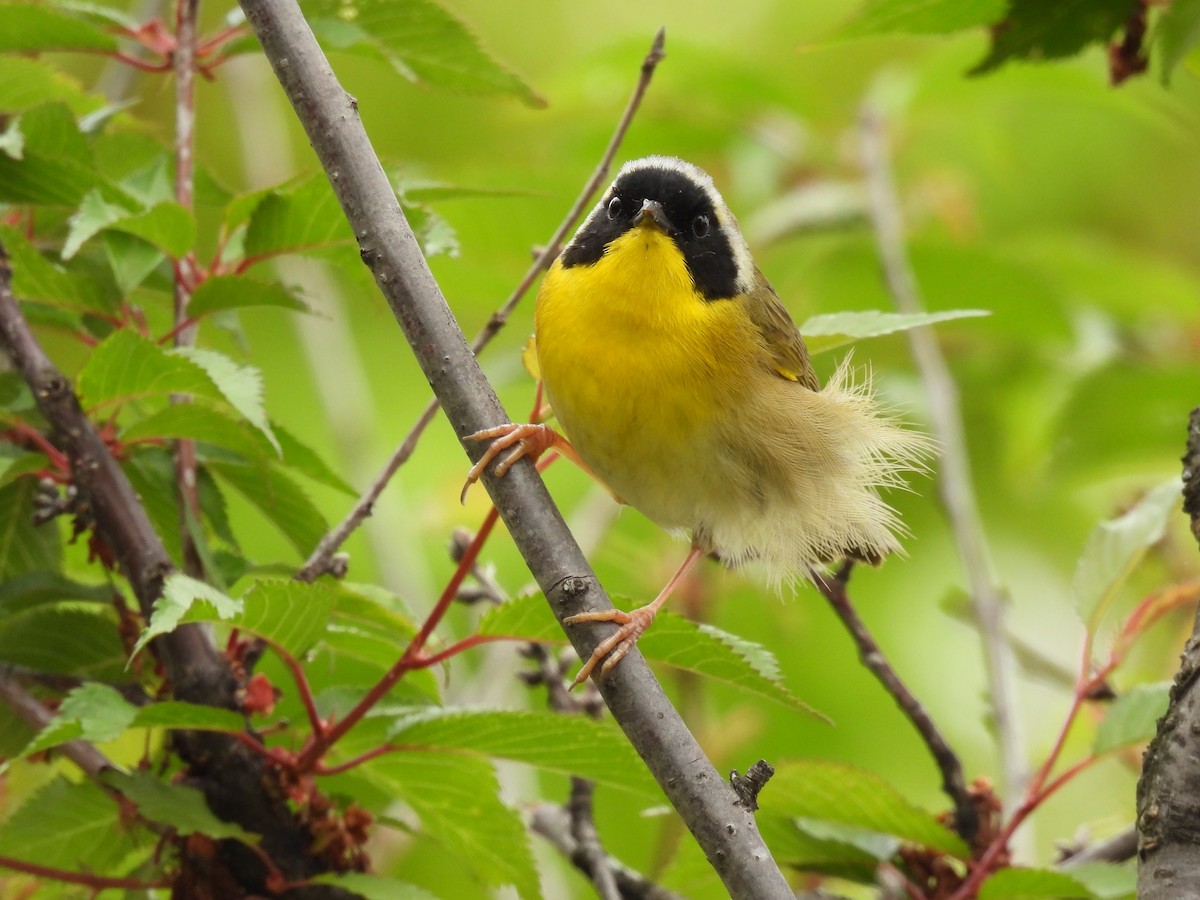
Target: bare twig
x=1168 y=795
x=957 y=493
x=183 y=61
x=34 y=714
x=725 y=830
x=1118 y=848
x=319 y=561
x=966 y=817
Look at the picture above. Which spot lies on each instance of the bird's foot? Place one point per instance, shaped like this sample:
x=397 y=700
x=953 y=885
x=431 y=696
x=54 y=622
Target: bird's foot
x=613 y=649
x=530 y=440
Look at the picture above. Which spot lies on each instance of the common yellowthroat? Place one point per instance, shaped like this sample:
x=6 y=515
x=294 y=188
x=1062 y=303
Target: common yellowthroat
x=682 y=384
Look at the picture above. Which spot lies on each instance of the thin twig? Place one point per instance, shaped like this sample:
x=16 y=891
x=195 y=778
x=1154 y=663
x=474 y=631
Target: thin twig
x=966 y=817
x=318 y=563
x=955 y=485
x=87 y=879
x=34 y=714
x=183 y=60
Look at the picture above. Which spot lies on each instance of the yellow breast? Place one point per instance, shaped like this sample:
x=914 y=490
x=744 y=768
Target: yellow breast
x=641 y=371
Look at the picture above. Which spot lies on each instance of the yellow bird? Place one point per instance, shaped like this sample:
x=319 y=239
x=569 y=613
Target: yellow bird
x=682 y=384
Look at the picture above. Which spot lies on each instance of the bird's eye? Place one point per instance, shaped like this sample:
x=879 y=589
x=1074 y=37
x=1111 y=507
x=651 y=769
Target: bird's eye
x=700 y=225
x=614 y=207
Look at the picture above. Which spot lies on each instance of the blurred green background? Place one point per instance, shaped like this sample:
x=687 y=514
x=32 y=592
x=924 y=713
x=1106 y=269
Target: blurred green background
x=1068 y=209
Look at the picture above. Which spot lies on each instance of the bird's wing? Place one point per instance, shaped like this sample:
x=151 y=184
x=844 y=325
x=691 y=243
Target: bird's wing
x=789 y=356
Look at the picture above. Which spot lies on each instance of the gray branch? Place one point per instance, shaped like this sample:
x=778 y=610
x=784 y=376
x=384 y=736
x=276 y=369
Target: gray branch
x=723 y=827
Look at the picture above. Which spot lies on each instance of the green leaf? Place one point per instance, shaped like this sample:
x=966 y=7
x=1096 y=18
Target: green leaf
x=223 y=292
x=93 y=215
x=457 y=800
x=166 y=225
x=832 y=792
x=182 y=808
x=63 y=639
x=278 y=498
x=373 y=887
x=25 y=547
x=420 y=40
x=1036 y=31
x=672 y=640
x=570 y=745
x=151 y=471
x=67 y=825
x=201 y=422
x=1132 y=717
x=37 y=27
x=242 y=386
x=25 y=83
x=304 y=218
x=922 y=16
x=38 y=588
x=37 y=278
x=828 y=332
x=1115 y=548
x=126 y=365
x=1019 y=884
x=305 y=460
x=55 y=167
x=14 y=467
x=130 y=258
x=1176 y=33
x=179 y=594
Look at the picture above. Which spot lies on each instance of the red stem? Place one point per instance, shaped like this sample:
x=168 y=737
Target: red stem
x=360 y=759
x=307 y=761
x=454 y=649
x=99 y=882
x=303 y=688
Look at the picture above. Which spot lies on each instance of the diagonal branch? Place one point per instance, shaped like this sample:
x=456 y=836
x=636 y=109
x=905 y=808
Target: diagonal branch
x=321 y=559
x=724 y=829
x=958 y=495
x=966 y=817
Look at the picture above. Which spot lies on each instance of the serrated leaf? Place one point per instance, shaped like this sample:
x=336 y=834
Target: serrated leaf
x=182 y=808
x=420 y=40
x=67 y=825
x=25 y=547
x=570 y=745
x=880 y=17
x=180 y=592
x=1036 y=31
x=828 y=332
x=373 y=887
x=1132 y=717
x=93 y=214
x=223 y=292
x=151 y=471
x=833 y=792
x=130 y=258
x=457 y=800
x=278 y=498
x=37 y=27
x=795 y=843
x=37 y=278
x=126 y=365
x=1115 y=547
x=672 y=640
x=242 y=386
x=1019 y=884
x=305 y=218
x=1176 y=33
x=63 y=639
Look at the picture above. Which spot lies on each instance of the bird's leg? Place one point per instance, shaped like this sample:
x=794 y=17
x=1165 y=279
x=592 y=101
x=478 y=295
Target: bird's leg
x=531 y=440
x=633 y=623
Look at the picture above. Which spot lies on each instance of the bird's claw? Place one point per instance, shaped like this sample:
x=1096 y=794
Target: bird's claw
x=614 y=648
x=530 y=440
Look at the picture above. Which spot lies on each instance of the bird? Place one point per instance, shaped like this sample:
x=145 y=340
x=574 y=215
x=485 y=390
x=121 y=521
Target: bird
x=681 y=383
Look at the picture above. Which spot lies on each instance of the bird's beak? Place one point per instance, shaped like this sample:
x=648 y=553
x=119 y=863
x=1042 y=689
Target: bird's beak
x=652 y=212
